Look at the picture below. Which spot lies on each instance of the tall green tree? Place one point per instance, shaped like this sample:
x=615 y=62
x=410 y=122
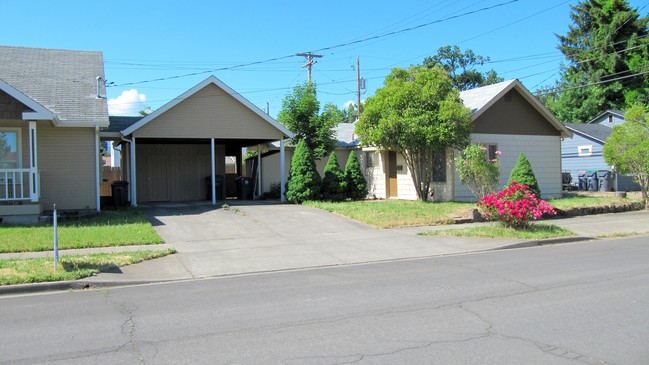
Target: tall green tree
x=606 y=47
x=354 y=180
x=333 y=182
x=419 y=114
x=627 y=149
x=461 y=67
x=303 y=180
x=523 y=174
x=300 y=113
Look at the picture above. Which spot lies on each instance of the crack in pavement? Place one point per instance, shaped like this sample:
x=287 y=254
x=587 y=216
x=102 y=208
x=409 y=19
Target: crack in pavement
x=127 y=327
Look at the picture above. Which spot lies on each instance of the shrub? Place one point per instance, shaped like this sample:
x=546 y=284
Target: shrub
x=274 y=191
x=476 y=171
x=354 y=179
x=333 y=183
x=523 y=174
x=303 y=180
x=514 y=206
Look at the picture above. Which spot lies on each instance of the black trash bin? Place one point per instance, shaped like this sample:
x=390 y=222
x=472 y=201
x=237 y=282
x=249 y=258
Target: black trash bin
x=119 y=191
x=218 y=187
x=582 y=181
x=244 y=188
x=604 y=179
x=591 y=175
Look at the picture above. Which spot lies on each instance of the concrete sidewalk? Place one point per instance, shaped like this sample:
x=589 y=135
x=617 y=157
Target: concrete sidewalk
x=266 y=238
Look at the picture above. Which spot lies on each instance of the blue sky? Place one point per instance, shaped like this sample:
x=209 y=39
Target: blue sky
x=148 y=40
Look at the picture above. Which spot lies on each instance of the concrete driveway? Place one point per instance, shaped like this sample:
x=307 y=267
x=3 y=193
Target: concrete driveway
x=252 y=237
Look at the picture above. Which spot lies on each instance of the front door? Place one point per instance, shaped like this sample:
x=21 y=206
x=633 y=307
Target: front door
x=392 y=175
x=158 y=178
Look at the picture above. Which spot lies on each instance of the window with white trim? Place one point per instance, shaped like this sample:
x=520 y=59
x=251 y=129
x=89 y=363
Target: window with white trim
x=10 y=148
x=585 y=151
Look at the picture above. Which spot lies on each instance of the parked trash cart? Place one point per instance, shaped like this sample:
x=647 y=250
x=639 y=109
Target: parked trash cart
x=244 y=188
x=218 y=187
x=604 y=179
x=582 y=181
x=119 y=191
x=591 y=175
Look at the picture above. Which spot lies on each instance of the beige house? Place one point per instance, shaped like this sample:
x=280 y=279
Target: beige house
x=52 y=105
x=180 y=151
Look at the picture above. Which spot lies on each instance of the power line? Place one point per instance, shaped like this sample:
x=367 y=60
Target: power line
x=557 y=90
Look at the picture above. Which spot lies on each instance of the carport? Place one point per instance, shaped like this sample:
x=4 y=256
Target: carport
x=178 y=152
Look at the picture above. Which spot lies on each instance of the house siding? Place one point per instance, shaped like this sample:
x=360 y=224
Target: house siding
x=11 y=108
x=574 y=163
x=604 y=120
x=209 y=113
x=67 y=167
x=543 y=152
x=375 y=174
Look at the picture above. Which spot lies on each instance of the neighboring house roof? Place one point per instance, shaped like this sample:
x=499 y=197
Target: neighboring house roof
x=62 y=82
x=619 y=113
x=597 y=132
x=345 y=136
x=218 y=83
x=118 y=123
x=482 y=98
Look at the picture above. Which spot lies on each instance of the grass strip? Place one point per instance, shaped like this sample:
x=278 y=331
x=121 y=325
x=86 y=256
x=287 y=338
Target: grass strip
x=108 y=228
x=36 y=270
x=535 y=231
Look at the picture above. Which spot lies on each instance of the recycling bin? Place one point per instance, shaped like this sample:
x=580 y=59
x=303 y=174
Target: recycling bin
x=119 y=192
x=591 y=176
x=604 y=178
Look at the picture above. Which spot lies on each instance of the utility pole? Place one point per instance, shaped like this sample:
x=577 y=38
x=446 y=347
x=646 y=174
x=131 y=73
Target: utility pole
x=360 y=83
x=309 y=61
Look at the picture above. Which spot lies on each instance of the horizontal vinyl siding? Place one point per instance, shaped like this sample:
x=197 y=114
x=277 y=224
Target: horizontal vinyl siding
x=209 y=113
x=573 y=163
x=66 y=160
x=543 y=152
x=375 y=174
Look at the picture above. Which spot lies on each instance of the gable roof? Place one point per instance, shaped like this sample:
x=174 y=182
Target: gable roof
x=212 y=80
x=61 y=84
x=597 y=132
x=619 y=113
x=345 y=135
x=482 y=98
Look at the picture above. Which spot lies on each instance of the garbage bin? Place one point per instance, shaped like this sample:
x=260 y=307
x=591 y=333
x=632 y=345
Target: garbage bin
x=582 y=181
x=244 y=188
x=119 y=191
x=604 y=179
x=591 y=175
x=218 y=187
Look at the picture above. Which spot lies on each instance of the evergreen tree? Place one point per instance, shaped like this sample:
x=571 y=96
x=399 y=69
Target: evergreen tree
x=523 y=174
x=607 y=45
x=460 y=67
x=354 y=179
x=333 y=182
x=303 y=181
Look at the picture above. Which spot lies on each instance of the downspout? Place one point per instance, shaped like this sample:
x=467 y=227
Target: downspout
x=97 y=172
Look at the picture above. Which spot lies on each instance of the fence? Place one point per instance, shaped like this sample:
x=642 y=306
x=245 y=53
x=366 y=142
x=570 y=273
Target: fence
x=108 y=175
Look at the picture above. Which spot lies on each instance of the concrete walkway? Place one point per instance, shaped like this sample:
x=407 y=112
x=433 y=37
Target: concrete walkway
x=265 y=237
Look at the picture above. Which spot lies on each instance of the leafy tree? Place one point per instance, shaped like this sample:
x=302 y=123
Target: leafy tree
x=333 y=115
x=333 y=182
x=628 y=148
x=606 y=45
x=523 y=174
x=354 y=179
x=300 y=114
x=419 y=114
x=303 y=180
x=460 y=67
x=476 y=171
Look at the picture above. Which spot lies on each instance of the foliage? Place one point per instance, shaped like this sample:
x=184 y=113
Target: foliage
x=419 y=114
x=627 y=149
x=274 y=191
x=523 y=174
x=533 y=232
x=460 y=67
x=22 y=271
x=514 y=206
x=354 y=180
x=333 y=182
x=476 y=171
x=303 y=180
x=300 y=114
x=607 y=41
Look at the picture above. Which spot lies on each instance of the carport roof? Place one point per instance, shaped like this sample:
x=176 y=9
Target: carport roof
x=220 y=84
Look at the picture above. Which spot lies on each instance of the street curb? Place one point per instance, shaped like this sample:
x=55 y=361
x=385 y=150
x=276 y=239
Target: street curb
x=58 y=286
x=549 y=241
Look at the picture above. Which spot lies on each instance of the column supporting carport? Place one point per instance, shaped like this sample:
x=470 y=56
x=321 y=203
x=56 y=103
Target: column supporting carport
x=133 y=182
x=258 y=170
x=282 y=168
x=213 y=159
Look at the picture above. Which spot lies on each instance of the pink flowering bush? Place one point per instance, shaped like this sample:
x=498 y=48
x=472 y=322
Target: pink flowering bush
x=514 y=206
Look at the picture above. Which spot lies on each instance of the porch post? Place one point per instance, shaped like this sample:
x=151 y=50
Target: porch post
x=213 y=184
x=258 y=170
x=97 y=174
x=133 y=177
x=34 y=188
x=282 y=167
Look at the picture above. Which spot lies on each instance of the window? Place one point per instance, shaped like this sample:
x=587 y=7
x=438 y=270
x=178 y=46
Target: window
x=439 y=167
x=585 y=151
x=491 y=151
x=10 y=148
x=369 y=159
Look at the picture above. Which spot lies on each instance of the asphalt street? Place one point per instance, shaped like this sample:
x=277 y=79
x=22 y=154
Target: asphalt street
x=581 y=303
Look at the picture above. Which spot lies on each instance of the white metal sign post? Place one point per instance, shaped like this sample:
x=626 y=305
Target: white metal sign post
x=56 y=238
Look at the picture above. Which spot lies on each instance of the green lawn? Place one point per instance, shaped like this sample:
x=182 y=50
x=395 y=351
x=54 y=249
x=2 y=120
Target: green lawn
x=22 y=271
x=109 y=228
x=572 y=200
x=536 y=231
x=397 y=213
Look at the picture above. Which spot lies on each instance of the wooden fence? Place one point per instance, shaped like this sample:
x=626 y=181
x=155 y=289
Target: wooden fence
x=108 y=175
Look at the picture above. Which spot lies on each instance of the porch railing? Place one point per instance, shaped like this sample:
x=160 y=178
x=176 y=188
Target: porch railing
x=19 y=185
